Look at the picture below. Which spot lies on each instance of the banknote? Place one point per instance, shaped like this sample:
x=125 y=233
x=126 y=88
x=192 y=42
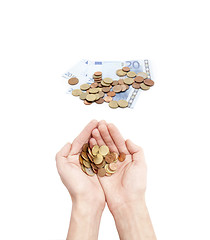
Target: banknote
x=85 y=69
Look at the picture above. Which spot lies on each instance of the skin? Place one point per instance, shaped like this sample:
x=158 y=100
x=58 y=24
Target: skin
x=124 y=191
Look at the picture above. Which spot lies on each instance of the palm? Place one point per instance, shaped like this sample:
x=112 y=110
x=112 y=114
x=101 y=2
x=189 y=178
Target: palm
x=130 y=178
x=78 y=183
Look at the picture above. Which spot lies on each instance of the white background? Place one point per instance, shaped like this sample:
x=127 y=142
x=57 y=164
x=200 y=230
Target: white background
x=39 y=41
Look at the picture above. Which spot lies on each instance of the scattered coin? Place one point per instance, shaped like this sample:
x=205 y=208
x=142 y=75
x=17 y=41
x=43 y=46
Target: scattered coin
x=87 y=102
x=144 y=87
x=128 y=81
x=114 y=83
x=93 y=90
x=94 y=85
x=73 y=81
x=131 y=74
x=91 y=97
x=117 y=88
x=113 y=104
x=121 y=81
x=148 y=82
x=101 y=94
x=76 y=92
x=120 y=73
x=122 y=103
x=142 y=74
x=108 y=99
x=111 y=94
x=100 y=101
x=83 y=95
x=108 y=80
x=84 y=86
x=122 y=157
x=123 y=87
x=136 y=85
x=126 y=69
x=138 y=79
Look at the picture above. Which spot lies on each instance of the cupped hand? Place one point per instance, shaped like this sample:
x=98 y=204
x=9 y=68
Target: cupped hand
x=81 y=187
x=128 y=183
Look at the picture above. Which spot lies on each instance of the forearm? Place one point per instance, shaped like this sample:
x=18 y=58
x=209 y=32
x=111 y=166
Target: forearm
x=84 y=223
x=133 y=222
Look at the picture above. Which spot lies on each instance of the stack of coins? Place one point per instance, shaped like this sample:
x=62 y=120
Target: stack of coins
x=97 y=76
x=105 y=89
x=99 y=160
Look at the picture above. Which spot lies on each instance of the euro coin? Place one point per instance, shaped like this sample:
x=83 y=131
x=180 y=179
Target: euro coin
x=131 y=74
x=120 y=73
x=108 y=99
x=73 y=81
x=108 y=80
x=91 y=97
x=100 y=101
x=89 y=171
x=111 y=94
x=122 y=103
x=136 y=85
x=148 y=82
x=139 y=79
x=144 y=87
x=93 y=90
x=103 y=150
x=76 y=92
x=95 y=150
x=142 y=74
x=126 y=69
x=85 y=87
x=113 y=104
x=122 y=157
x=98 y=73
x=117 y=88
x=98 y=159
x=113 y=166
x=128 y=81
x=83 y=95
x=101 y=172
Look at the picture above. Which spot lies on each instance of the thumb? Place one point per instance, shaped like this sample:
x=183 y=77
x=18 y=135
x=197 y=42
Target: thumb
x=135 y=151
x=64 y=152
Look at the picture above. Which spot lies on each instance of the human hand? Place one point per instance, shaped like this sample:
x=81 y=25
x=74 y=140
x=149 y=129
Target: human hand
x=82 y=188
x=128 y=184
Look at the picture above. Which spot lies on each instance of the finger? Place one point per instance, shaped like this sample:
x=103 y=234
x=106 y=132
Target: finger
x=83 y=137
x=107 y=138
x=102 y=122
x=136 y=151
x=64 y=152
x=117 y=138
x=92 y=142
x=96 y=134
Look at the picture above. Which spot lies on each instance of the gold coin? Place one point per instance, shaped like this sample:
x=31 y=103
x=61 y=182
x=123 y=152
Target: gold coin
x=101 y=94
x=80 y=159
x=86 y=164
x=113 y=166
x=76 y=92
x=89 y=171
x=101 y=172
x=122 y=103
x=93 y=90
x=85 y=157
x=84 y=86
x=128 y=81
x=97 y=96
x=103 y=150
x=83 y=169
x=105 y=84
x=117 y=88
x=95 y=150
x=91 y=97
x=83 y=95
x=108 y=170
x=120 y=73
x=107 y=80
x=113 y=104
x=131 y=74
x=98 y=159
x=142 y=74
x=101 y=165
x=144 y=87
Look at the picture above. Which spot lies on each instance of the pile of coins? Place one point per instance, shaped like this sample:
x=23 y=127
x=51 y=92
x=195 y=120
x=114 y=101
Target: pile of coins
x=99 y=160
x=104 y=89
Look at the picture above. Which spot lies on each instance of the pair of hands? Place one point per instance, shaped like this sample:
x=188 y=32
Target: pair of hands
x=126 y=187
